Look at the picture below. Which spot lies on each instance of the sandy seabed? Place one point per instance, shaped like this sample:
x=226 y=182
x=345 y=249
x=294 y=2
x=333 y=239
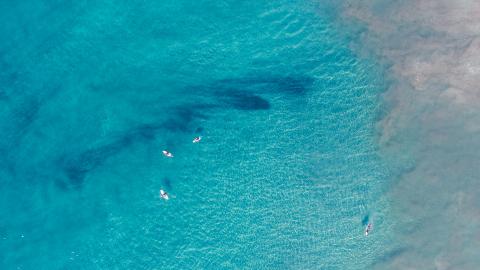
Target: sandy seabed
x=432 y=128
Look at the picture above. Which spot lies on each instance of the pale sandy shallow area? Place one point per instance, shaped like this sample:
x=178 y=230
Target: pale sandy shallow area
x=432 y=128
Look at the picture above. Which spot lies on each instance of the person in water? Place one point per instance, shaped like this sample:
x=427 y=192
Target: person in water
x=167 y=154
x=163 y=194
x=368 y=229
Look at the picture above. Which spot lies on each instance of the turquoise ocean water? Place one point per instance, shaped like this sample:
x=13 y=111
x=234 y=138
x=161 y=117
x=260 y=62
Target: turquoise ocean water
x=91 y=92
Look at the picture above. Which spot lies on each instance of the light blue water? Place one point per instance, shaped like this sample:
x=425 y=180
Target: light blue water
x=286 y=176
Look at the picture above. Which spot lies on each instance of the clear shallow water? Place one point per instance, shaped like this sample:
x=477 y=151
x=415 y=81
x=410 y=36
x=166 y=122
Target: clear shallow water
x=287 y=173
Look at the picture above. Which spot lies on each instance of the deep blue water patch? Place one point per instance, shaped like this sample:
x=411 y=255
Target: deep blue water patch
x=243 y=100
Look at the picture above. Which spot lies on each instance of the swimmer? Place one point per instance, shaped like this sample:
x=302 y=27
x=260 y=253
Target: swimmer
x=197 y=139
x=167 y=154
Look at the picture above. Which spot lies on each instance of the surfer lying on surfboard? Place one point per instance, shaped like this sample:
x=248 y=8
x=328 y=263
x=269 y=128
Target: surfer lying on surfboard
x=368 y=229
x=163 y=194
x=197 y=139
x=167 y=154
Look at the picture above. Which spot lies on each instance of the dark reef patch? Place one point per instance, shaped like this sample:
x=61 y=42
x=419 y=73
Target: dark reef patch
x=245 y=93
x=77 y=166
x=296 y=85
x=242 y=94
x=243 y=101
x=181 y=117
